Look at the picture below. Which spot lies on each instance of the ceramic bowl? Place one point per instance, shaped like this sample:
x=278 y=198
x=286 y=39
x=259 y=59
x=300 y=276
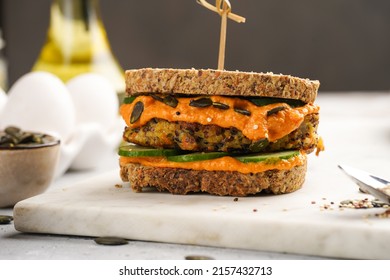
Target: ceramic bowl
x=27 y=170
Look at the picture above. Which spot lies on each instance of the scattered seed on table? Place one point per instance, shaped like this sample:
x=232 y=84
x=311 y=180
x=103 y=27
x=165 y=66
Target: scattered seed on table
x=107 y=240
x=4 y=219
x=362 y=203
x=385 y=214
x=198 y=257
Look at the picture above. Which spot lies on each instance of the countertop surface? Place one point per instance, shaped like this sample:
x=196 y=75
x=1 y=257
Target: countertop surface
x=342 y=119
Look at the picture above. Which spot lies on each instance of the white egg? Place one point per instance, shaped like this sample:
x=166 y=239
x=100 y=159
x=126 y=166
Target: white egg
x=95 y=99
x=3 y=99
x=39 y=101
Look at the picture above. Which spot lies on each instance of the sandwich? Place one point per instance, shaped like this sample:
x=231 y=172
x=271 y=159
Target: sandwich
x=215 y=131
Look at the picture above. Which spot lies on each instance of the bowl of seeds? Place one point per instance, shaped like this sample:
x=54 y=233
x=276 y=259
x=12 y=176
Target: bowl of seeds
x=27 y=164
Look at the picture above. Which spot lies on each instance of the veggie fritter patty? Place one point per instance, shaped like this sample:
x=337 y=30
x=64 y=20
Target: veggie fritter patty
x=160 y=133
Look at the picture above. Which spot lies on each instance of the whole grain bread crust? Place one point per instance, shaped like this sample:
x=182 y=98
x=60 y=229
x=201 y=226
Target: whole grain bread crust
x=219 y=82
x=183 y=181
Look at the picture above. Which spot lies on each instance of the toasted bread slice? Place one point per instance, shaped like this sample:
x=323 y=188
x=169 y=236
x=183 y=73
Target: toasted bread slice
x=183 y=181
x=219 y=82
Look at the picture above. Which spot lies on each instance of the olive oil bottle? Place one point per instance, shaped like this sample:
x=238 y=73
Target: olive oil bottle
x=3 y=65
x=77 y=43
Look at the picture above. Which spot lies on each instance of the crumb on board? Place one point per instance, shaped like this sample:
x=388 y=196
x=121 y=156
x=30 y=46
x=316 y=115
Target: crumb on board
x=326 y=206
x=118 y=186
x=363 y=203
x=366 y=204
x=385 y=214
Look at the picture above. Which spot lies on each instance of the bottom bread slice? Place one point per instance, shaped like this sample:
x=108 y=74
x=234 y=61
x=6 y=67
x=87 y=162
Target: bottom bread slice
x=183 y=181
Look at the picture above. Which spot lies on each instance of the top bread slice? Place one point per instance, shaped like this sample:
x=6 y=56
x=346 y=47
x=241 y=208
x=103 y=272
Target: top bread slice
x=219 y=82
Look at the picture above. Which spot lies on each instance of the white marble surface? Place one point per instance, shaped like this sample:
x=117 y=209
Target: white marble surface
x=356 y=130
x=27 y=246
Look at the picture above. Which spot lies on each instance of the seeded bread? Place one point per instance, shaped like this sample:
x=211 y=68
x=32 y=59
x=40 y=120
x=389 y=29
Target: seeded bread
x=218 y=82
x=183 y=181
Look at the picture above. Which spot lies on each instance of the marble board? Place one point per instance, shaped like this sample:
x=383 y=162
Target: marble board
x=294 y=223
x=308 y=221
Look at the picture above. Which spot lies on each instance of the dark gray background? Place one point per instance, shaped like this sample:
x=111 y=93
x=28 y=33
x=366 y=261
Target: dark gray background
x=345 y=44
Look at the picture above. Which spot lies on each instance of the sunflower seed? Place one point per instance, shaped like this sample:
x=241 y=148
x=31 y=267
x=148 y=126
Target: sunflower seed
x=201 y=102
x=220 y=106
x=5 y=219
x=108 y=240
x=137 y=112
x=275 y=110
x=242 y=111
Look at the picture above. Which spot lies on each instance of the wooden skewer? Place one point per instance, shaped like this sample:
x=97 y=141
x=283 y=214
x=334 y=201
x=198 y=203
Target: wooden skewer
x=225 y=13
x=222 y=39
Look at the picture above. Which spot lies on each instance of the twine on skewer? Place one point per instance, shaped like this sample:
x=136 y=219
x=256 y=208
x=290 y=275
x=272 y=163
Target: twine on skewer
x=223 y=8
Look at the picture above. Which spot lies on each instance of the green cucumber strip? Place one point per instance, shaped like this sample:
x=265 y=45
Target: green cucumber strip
x=262 y=101
x=132 y=150
x=197 y=156
x=129 y=99
x=269 y=157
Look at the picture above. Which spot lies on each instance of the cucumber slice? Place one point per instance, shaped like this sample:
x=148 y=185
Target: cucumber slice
x=129 y=99
x=139 y=151
x=197 y=156
x=262 y=101
x=269 y=157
